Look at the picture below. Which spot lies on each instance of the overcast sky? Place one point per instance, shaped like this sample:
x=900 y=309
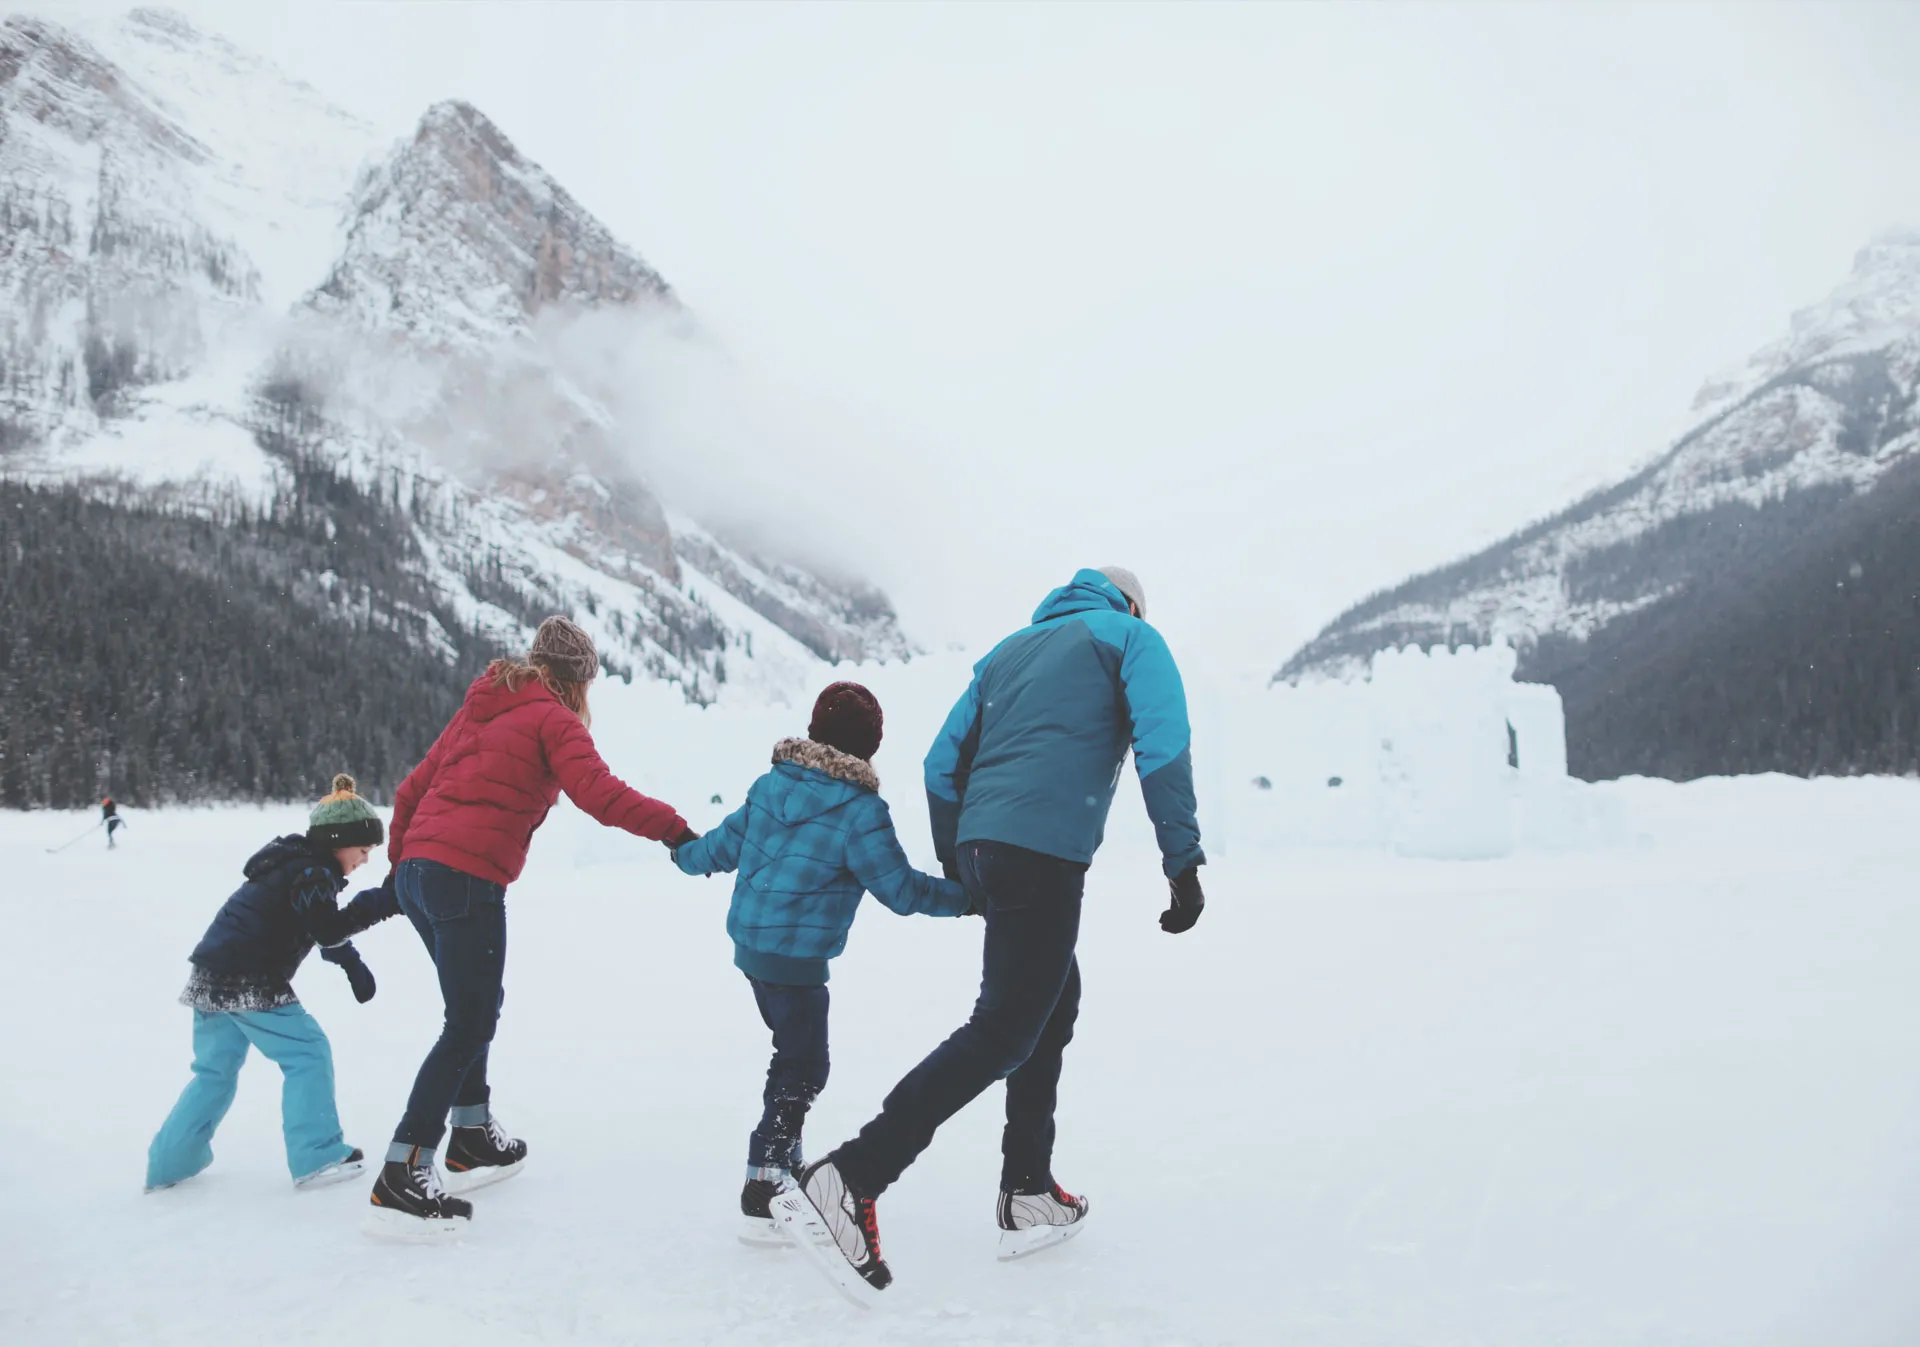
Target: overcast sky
x=1275 y=303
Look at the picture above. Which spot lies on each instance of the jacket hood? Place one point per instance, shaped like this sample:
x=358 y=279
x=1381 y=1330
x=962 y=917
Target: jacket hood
x=293 y=849
x=1088 y=592
x=817 y=778
x=487 y=700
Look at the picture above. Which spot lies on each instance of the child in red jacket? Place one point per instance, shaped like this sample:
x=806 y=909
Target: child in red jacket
x=462 y=822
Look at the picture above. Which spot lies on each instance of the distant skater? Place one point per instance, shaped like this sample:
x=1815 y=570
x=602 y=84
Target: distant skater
x=110 y=815
x=242 y=996
x=1019 y=783
x=462 y=822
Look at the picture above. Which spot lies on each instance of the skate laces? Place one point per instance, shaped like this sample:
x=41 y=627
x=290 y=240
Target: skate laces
x=498 y=1136
x=870 y=1223
x=429 y=1177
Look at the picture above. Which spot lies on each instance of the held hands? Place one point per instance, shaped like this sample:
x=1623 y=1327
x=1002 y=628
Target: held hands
x=359 y=976
x=951 y=869
x=381 y=903
x=1188 y=902
x=686 y=835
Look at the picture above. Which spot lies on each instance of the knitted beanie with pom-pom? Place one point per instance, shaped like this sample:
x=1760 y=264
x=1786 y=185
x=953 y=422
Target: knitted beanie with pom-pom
x=343 y=819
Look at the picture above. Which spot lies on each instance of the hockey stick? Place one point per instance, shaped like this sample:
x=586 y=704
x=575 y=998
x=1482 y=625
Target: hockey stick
x=64 y=845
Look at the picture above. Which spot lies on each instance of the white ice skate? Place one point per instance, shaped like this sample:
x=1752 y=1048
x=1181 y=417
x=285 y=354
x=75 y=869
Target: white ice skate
x=837 y=1232
x=1030 y=1222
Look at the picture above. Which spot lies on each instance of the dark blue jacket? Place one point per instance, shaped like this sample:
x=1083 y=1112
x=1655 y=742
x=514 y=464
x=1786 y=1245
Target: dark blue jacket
x=288 y=905
x=813 y=836
x=1032 y=752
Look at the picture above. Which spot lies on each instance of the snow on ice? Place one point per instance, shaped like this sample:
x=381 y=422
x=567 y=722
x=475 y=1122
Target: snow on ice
x=1652 y=1084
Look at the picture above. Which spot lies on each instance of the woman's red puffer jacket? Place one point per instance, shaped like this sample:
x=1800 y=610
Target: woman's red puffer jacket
x=493 y=774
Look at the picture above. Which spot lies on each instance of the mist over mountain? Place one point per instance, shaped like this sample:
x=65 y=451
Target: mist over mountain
x=415 y=390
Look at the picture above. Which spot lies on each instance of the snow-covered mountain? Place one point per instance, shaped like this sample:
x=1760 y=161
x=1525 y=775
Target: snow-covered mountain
x=1823 y=413
x=1742 y=603
x=219 y=292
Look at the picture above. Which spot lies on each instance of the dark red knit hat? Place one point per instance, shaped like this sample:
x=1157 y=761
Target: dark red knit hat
x=847 y=717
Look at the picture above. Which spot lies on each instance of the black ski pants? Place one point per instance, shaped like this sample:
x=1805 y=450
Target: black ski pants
x=1020 y=1026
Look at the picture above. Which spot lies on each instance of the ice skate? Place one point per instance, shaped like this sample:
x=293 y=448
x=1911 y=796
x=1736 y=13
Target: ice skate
x=478 y=1156
x=757 y=1226
x=338 y=1172
x=1030 y=1222
x=409 y=1204
x=837 y=1230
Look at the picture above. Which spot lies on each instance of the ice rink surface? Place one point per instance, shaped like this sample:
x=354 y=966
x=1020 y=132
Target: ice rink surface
x=1658 y=1088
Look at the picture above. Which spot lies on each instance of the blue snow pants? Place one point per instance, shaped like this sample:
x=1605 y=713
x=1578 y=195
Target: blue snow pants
x=287 y=1036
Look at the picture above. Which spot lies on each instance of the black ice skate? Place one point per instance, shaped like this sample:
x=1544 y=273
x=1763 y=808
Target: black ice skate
x=1032 y=1221
x=338 y=1172
x=408 y=1203
x=757 y=1226
x=837 y=1229
x=477 y=1156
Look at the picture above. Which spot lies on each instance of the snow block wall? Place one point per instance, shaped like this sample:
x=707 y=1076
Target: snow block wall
x=1437 y=754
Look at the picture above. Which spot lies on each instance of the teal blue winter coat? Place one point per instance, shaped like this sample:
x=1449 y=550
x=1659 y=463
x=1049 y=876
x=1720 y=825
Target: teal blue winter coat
x=1031 y=753
x=813 y=836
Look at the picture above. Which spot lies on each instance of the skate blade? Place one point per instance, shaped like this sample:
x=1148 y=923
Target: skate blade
x=396 y=1227
x=761 y=1232
x=332 y=1174
x=803 y=1228
x=1023 y=1243
x=465 y=1181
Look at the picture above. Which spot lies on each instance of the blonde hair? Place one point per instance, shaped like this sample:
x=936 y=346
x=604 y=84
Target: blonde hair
x=514 y=674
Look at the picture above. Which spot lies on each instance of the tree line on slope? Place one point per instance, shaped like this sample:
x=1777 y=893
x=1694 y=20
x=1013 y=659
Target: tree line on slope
x=1804 y=657
x=163 y=656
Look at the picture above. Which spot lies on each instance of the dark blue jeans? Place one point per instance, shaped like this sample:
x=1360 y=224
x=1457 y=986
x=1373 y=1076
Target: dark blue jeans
x=1021 y=1025
x=795 y=1076
x=463 y=921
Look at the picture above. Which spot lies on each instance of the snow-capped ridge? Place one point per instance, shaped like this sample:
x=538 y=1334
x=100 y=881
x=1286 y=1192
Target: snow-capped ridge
x=1819 y=415
x=218 y=290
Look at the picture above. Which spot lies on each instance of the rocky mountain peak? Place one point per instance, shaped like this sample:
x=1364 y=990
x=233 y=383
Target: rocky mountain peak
x=1877 y=305
x=459 y=239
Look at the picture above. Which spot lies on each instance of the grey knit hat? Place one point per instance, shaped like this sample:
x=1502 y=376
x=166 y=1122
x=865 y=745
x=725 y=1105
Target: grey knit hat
x=343 y=819
x=565 y=649
x=1128 y=584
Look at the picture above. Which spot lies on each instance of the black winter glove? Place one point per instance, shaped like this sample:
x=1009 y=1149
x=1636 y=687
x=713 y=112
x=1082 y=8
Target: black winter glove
x=1188 y=902
x=359 y=976
x=686 y=835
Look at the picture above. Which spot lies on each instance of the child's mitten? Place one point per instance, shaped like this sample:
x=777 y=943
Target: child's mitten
x=374 y=905
x=359 y=976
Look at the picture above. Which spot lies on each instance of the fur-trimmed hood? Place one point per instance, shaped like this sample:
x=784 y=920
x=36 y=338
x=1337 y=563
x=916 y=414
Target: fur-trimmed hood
x=819 y=757
x=816 y=780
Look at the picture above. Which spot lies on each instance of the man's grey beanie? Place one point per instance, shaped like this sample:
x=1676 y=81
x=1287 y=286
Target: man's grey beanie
x=1128 y=584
